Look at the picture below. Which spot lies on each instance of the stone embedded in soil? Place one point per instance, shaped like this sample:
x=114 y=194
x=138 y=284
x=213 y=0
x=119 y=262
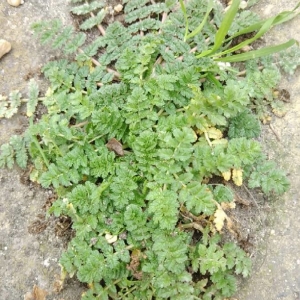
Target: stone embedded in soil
x=118 y=8
x=15 y=2
x=5 y=47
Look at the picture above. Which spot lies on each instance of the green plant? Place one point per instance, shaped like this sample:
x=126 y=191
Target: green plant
x=244 y=124
x=290 y=59
x=134 y=141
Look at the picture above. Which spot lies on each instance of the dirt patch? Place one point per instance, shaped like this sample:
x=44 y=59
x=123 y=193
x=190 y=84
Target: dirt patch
x=276 y=272
x=30 y=244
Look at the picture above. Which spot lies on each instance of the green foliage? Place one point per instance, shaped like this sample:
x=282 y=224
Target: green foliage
x=244 y=124
x=269 y=178
x=59 y=35
x=290 y=60
x=33 y=93
x=14 y=151
x=134 y=141
x=8 y=107
x=222 y=263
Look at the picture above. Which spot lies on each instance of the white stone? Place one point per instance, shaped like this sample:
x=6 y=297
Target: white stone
x=118 y=8
x=243 y=5
x=5 y=47
x=46 y=262
x=15 y=2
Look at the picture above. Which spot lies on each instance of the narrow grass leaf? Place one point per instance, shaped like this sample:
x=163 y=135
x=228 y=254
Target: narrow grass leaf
x=224 y=27
x=279 y=19
x=183 y=8
x=266 y=26
x=201 y=25
x=258 y=53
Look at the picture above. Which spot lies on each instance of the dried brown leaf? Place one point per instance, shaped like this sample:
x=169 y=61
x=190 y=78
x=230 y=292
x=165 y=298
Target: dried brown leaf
x=36 y=294
x=114 y=145
x=135 y=257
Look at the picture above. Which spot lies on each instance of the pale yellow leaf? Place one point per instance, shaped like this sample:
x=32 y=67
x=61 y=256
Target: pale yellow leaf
x=226 y=175
x=237 y=176
x=279 y=113
x=214 y=133
x=227 y=205
x=220 y=217
x=220 y=142
x=49 y=92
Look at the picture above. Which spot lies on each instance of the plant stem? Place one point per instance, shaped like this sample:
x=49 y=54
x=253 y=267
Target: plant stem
x=99 y=26
x=38 y=146
x=130 y=290
x=242 y=73
x=192 y=225
x=25 y=100
x=96 y=63
x=80 y=124
x=208 y=140
x=96 y=138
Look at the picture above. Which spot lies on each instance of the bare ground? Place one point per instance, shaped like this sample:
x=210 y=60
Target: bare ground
x=30 y=245
x=276 y=273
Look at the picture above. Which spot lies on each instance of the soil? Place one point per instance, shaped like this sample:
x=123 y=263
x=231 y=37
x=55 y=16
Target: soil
x=276 y=272
x=30 y=244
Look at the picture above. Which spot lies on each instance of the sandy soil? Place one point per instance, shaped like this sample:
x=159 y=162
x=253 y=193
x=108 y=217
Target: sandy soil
x=276 y=273
x=26 y=257
x=29 y=244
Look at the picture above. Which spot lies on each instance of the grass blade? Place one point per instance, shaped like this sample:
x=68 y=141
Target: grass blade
x=258 y=53
x=279 y=19
x=201 y=25
x=265 y=27
x=183 y=8
x=224 y=27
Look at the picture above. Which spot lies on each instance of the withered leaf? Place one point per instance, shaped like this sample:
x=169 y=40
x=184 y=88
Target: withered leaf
x=237 y=176
x=220 y=217
x=135 y=263
x=227 y=175
x=114 y=145
x=282 y=94
x=228 y=205
x=36 y=294
x=214 y=133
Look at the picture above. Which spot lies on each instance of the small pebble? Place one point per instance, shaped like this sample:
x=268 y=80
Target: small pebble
x=243 y=5
x=5 y=47
x=118 y=8
x=15 y=2
x=30 y=194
